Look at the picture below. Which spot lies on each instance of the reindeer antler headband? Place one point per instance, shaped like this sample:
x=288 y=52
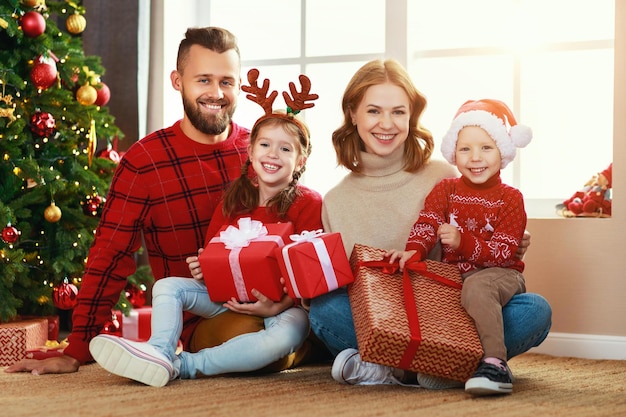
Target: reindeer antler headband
x=299 y=100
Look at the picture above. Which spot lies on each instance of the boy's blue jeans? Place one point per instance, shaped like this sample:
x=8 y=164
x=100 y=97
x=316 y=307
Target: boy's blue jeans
x=527 y=320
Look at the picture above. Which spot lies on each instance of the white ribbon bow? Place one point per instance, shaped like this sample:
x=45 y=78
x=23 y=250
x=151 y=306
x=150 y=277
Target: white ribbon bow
x=248 y=230
x=306 y=235
x=322 y=255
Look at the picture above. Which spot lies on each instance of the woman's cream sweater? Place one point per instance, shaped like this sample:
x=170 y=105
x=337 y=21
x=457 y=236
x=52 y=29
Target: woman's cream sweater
x=379 y=206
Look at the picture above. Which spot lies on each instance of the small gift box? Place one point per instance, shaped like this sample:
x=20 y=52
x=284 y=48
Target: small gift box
x=135 y=326
x=242 y=258
x=412 y=320
x=51 y=349
x=314 y=264
x=17 y=337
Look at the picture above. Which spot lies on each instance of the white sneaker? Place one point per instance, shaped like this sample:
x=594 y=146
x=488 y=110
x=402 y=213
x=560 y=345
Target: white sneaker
x=134 y=360
x=348 y=368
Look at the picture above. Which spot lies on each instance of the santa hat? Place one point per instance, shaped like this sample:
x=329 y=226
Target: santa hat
x=492 y=116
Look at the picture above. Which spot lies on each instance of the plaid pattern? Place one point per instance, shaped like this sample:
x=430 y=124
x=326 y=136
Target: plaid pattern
x=166 y=186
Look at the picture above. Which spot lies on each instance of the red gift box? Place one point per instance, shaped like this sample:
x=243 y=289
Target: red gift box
x=314 y=264
x=51 y=349
x=241 y=258
x=412 y=320
x=135 y=326
x=19 y=336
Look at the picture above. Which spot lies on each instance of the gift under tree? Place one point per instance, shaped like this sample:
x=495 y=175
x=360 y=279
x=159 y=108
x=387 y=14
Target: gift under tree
x=57 y=158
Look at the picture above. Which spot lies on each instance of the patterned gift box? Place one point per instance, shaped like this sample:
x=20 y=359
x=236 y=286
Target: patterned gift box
x=135 y=326
x=413 y=321
x=241 y=258
x=314 y=264
x=17 y=337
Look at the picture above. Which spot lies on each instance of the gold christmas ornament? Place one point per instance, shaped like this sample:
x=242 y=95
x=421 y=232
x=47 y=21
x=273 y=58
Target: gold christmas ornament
x=92 y=143
x=76 y=23
x=33 y=3
x=9 y=110
x=86 y=95
x=52 y=213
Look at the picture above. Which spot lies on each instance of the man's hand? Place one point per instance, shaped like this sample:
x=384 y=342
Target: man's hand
x=57 y=365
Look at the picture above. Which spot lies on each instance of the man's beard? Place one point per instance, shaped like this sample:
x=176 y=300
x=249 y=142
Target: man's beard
x=209 y=124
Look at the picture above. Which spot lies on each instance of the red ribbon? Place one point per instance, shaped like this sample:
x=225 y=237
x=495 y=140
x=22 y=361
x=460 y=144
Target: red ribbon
x=409 y=299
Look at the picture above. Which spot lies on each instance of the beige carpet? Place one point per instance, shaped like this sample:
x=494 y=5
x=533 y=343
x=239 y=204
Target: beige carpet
x=544 y=386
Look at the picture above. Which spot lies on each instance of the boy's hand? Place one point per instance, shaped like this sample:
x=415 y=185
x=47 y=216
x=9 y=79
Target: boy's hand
x=402 y=256
x=449 y=236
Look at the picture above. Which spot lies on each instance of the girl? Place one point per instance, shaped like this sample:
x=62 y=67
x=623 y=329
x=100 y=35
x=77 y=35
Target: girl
x=279 y=147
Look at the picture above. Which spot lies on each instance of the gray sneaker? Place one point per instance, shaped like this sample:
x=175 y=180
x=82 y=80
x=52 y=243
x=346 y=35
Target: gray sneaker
x=436 y=382
x=490 y=379
x=348 y=368
x=134 y=360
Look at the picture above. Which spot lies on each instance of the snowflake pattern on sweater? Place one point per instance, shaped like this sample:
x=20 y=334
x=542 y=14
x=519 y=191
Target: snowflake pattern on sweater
x=490 y=216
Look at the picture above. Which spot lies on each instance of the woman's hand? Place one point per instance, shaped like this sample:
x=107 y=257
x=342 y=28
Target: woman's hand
x=263 y=307
x=194 y=266
x=523 y=246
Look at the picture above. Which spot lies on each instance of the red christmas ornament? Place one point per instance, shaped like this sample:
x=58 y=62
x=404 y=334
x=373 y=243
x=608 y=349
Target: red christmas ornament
x=42 y=124
x=136 y=295
x=93 y=205
x=64 y=295
x=43 y=75
x=112 y=326
x=33 y=24
x=10 y=234
x=104 y=94
x=110 y=153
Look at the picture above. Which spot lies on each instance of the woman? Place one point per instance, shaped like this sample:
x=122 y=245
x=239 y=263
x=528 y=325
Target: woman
x=388 y=153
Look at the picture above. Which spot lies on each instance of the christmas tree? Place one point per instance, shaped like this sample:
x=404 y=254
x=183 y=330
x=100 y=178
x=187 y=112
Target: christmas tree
x=53 y=181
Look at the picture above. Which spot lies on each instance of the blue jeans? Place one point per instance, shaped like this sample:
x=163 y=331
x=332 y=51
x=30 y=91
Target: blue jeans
x=527 y=320
x=282 y=335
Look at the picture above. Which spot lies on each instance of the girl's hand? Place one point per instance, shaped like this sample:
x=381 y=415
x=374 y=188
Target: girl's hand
x=263 y=307
x=194 y=266
x=449 y=235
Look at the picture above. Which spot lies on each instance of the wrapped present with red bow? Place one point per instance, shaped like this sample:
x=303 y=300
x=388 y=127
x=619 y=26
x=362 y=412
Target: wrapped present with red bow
x=51 y=349
x=414 y=319
x=135 y=326
x=314 y=264
x=242 y=258
x=17 y=337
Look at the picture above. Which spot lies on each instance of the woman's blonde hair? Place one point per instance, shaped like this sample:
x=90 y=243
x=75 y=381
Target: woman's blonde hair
x=419 y=145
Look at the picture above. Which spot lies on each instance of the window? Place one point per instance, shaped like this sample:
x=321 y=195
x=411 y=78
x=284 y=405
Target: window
x=555 y=73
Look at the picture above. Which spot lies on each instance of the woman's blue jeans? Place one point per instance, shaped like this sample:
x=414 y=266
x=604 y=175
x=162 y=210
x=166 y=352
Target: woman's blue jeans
x=527 y=320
